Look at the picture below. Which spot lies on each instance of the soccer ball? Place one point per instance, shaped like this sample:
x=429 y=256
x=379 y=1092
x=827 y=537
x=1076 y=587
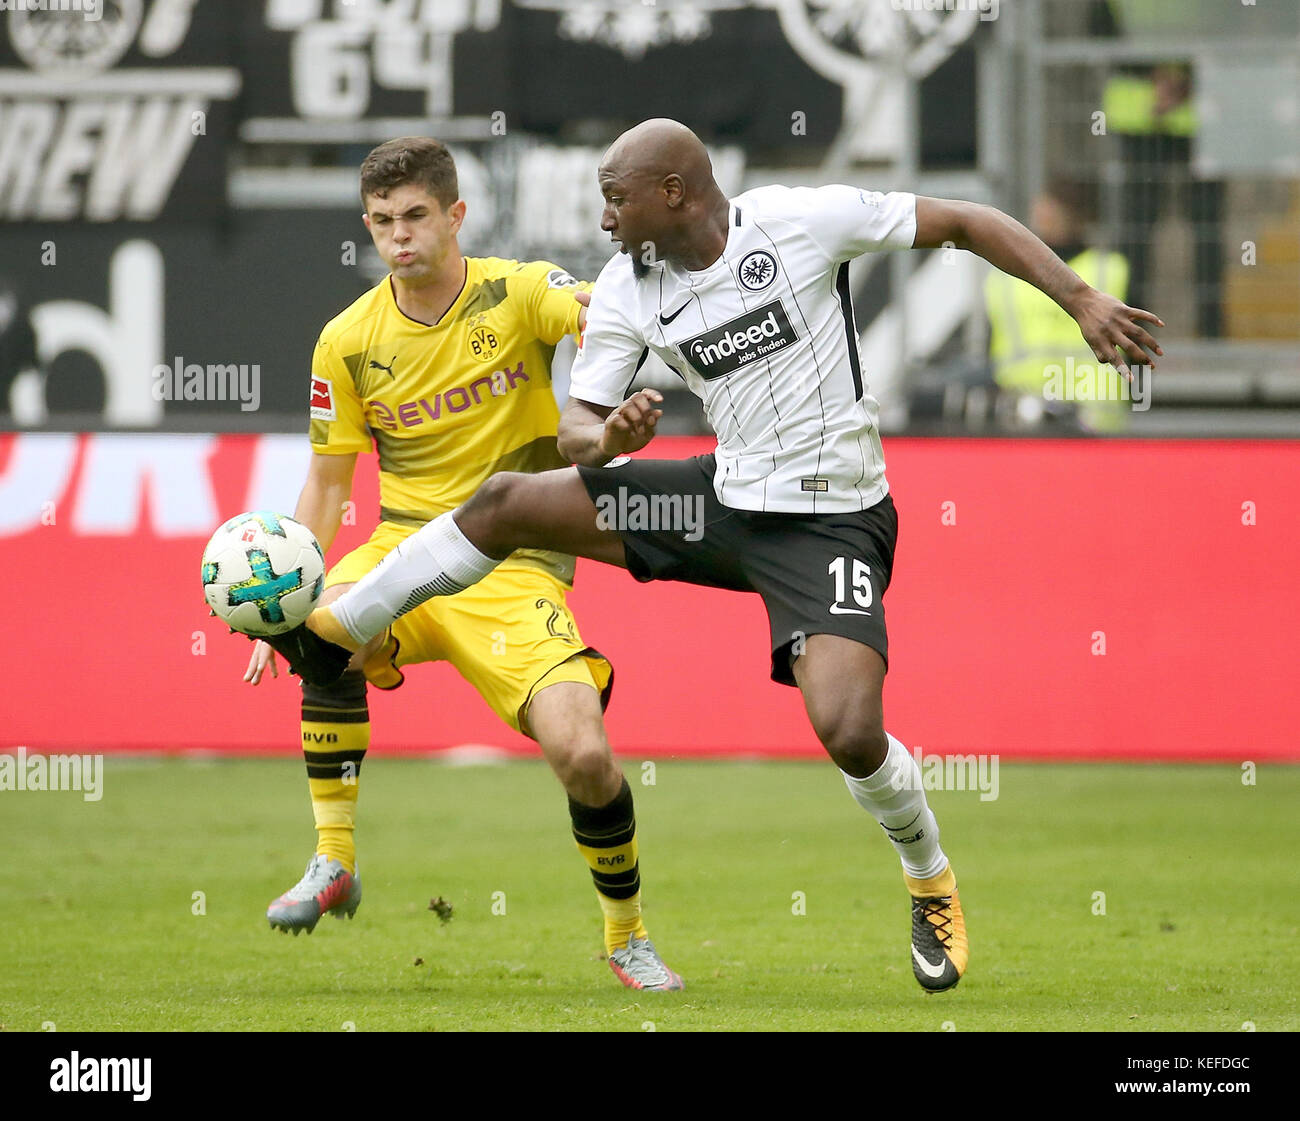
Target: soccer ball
x=263 y=573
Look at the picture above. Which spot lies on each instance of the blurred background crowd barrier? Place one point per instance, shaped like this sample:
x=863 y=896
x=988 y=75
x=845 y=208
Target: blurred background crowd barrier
x=178 y=185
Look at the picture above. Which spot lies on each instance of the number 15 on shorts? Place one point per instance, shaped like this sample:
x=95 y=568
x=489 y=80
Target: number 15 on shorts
x=861 y=586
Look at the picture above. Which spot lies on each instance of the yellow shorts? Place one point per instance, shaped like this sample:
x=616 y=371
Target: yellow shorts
x=509 y=635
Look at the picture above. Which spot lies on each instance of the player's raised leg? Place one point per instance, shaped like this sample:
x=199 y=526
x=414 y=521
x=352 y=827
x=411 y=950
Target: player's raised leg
x=842 y=682
x=548 y=510
x=565 y=718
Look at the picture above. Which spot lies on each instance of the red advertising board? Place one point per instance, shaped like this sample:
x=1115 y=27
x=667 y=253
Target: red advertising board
x=1051 y=599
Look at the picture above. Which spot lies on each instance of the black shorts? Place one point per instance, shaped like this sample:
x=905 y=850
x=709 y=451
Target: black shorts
x=816 y=573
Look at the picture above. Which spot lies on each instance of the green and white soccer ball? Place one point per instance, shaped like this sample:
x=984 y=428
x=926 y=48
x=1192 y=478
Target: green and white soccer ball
x=263 y=573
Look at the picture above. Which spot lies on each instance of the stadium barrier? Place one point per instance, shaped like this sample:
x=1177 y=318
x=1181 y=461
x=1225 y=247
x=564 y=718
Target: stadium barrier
x=1051 y=600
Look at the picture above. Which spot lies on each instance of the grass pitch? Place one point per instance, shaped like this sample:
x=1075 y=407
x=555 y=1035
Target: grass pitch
x=103 y=929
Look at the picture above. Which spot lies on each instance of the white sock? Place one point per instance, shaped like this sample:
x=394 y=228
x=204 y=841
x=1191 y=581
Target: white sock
x=894 y=796
x=436 y=560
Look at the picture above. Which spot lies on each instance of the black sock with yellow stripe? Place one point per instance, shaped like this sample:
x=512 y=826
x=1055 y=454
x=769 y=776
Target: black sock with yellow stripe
x=606 y=837
x=335 y=735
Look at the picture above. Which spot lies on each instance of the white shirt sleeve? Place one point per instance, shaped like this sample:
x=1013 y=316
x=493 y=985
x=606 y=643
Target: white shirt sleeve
x=612 y=348
x=849 y=221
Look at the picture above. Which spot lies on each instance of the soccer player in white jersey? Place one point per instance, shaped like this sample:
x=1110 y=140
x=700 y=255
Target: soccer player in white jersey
x=747 y=299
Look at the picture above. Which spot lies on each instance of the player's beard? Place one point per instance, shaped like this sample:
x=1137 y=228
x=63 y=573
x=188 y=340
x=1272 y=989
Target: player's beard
x=639 y=268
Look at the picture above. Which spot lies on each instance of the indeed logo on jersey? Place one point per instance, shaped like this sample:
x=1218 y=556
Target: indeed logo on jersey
x=757 y=334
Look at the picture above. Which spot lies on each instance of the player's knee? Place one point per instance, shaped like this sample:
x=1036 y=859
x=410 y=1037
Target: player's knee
x=498 y=497
x=585 y=762
x=586 y=768
x=493 y=512
x=855 y=740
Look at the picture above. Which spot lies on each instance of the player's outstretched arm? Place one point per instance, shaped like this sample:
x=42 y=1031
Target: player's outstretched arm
x=1110 y=327
x=320 y=509
x=592 y=435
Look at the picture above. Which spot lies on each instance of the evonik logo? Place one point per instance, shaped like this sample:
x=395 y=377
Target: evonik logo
x=756 y=334
x=457 y=400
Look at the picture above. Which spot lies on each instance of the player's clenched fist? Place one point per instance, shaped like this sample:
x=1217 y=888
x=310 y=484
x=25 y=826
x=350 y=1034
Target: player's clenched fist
x=632 y=425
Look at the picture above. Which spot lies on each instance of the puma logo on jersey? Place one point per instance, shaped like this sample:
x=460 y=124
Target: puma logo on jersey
x=387 y=369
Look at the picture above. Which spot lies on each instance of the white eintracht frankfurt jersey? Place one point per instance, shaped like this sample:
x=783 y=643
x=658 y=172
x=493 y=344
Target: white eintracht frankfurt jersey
x=765 y=337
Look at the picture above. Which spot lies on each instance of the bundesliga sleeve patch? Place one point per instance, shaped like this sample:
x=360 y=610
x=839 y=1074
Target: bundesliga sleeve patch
x=558 y=278
x=322 y=400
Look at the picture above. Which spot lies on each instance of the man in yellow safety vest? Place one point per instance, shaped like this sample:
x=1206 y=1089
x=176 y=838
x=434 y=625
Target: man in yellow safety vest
x=1150 y=110
x=1038 y=359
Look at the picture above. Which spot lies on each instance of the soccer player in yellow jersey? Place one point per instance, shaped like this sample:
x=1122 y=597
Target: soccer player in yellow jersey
x=445 y=368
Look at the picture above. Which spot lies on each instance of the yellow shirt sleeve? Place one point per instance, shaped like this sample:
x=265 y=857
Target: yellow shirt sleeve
x=543 y=293
x=338 y=419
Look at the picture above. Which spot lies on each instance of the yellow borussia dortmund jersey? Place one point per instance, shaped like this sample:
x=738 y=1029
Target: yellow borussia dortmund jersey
x=448 y=404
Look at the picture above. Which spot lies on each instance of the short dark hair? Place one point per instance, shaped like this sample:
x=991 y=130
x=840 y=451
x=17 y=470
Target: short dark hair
x=1072 y=194
x=411 y=159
